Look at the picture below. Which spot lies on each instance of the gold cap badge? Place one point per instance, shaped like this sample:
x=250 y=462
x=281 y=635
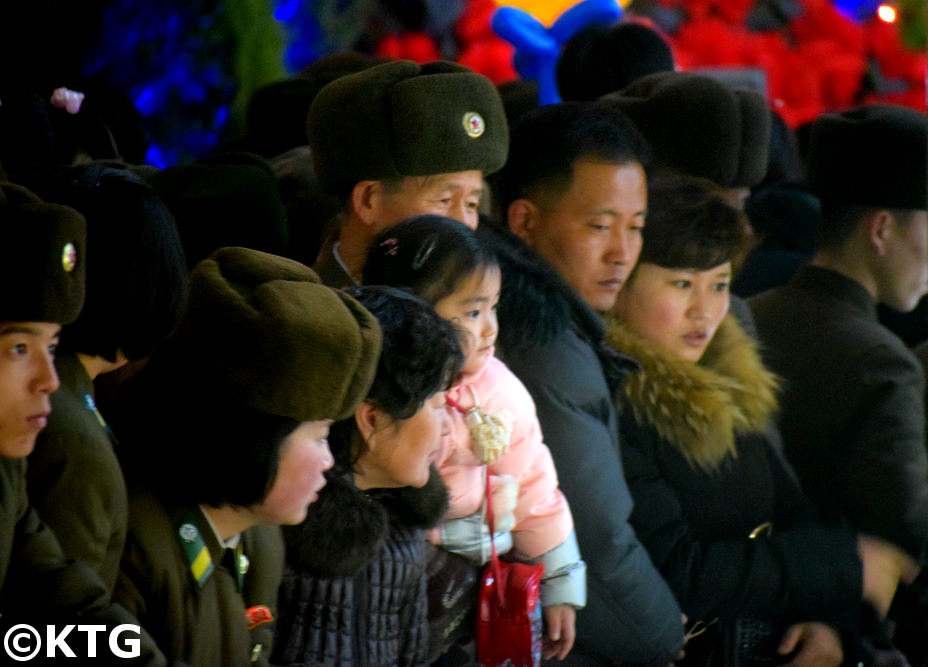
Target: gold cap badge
x=68 y=257
x=474 y=124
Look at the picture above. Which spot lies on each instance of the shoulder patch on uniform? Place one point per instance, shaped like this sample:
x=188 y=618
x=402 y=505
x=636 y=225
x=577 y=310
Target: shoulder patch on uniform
x=191 y=541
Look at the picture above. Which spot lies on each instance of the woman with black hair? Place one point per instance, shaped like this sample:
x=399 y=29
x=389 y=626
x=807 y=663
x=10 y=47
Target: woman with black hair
x=761 y=578
x=136 y=284
x=223 y=438
x=354 y=590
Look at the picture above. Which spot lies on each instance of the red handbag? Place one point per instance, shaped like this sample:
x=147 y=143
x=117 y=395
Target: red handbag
x=509 y=626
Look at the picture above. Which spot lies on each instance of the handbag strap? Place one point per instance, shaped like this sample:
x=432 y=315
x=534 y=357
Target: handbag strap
x=494 y=557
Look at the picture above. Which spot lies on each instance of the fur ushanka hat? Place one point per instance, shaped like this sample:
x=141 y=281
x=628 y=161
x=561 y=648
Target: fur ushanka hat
x=404 y=119
x=262 y=331
x=874 y=155
x=227 y=199
x=42 y=254
x=699 y=126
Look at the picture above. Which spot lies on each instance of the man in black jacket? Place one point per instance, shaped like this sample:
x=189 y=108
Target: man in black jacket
x=852 y=412
x=575 y=196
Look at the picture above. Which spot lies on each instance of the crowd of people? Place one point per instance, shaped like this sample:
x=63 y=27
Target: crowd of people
x=255 y=405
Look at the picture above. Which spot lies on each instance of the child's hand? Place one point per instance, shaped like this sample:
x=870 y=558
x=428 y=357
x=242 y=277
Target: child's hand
x=560 y=633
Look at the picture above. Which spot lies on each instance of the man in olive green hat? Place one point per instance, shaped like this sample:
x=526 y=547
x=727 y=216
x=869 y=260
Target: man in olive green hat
x=41 y=287
x=398 y=140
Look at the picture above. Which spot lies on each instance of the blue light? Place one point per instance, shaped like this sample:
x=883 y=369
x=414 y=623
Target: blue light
x=156 y=157
x=287 y=10
x=221 y=117
x=147 y=101
x=857 y=9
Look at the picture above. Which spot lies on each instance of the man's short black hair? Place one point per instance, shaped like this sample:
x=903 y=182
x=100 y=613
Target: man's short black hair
x=548 y=141
x=841 y=219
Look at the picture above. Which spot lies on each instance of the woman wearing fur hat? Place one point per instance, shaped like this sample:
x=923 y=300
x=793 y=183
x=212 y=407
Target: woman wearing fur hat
x=354 y=591
x=716 y=506
x=225 y=439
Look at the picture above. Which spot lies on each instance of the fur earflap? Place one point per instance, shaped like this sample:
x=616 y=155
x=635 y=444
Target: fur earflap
x=699 y=408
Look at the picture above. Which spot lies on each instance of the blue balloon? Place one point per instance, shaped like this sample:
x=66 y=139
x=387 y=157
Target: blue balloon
x=538 y=48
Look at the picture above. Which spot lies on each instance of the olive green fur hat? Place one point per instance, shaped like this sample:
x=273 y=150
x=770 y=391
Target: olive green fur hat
x=404 y=119
x=873 y=155
x=42 y=258
x=699 y=126
x=262 y=331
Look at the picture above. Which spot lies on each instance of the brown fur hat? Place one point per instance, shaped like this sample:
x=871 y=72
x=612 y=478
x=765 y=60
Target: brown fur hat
x=699 y=126
x=874 y=155
x=404 y=119
x=263 y=331
x=42 y=258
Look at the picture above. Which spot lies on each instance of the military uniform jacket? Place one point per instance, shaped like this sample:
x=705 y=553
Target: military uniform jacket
x=176 y=578
x=75 y=482
x=852 y=412
x=31 y=561
x=38 y=584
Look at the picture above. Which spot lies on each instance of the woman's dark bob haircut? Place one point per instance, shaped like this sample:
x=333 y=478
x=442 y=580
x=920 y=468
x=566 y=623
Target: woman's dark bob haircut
x=428 y=254
x=690 y=226
x=136 y=269
x=211 y=450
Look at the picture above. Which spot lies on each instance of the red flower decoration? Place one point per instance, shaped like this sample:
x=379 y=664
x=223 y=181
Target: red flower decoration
x=415 y=46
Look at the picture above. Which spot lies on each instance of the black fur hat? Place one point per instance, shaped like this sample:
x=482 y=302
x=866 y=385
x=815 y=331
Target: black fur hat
x=42 y=258
x=228 y=199
x=265 y=333
x=873 y=155
x=404 y=119
x=603 y=59
x=699 y=126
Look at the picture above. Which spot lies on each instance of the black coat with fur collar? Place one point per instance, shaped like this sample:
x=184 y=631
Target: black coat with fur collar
x=702 y=461
x=553 y=342
x=353 y=592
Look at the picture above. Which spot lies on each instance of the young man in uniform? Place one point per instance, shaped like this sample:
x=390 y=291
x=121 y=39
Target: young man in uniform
x=42 y=276
x=398 y=140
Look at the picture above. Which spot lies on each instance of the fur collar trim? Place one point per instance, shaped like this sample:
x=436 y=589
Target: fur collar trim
x=346 y=528
x=699 y=408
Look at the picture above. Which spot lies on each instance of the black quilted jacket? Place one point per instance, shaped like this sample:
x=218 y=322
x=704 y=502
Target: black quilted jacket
x=353 y=592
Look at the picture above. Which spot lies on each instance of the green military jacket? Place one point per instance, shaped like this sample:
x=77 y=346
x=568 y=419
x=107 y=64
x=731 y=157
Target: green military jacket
x=190 y=595
x=75 y=482
x=38 y=584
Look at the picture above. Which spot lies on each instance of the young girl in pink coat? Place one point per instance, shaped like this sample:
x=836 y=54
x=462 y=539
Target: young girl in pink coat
x=493 y=419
